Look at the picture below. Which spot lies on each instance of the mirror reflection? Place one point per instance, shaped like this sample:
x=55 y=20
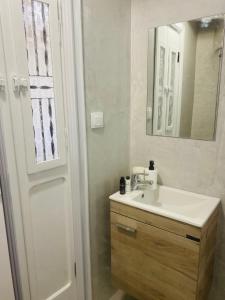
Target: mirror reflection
x=183 y=78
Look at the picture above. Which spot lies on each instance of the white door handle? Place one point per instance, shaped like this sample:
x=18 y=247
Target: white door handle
x=16 y=84
x=19 y=84
x=23 y=83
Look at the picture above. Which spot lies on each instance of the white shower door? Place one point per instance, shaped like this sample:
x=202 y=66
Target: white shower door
x=35 y=67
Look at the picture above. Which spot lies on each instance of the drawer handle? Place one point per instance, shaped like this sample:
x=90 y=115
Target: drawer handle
x=126 y=228
x=193 y=238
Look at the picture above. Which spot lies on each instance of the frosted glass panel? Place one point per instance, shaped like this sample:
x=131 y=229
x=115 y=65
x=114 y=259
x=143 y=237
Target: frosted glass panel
x=172 y=87
x=162 y=68
x=37 y=33
x=161 y=87
x=159 y=120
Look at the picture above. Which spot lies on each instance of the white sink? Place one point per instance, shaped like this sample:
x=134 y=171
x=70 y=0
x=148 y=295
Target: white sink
x=187 y=207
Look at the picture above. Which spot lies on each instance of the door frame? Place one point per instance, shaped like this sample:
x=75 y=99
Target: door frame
x=181 y=29
x=78 y=143
x=79 y=106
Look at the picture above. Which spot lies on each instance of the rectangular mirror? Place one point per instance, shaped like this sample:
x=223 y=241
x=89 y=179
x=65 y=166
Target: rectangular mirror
x=184 y=62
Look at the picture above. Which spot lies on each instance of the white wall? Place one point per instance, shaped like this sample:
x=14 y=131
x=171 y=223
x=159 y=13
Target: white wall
x=6 y=286
x=107 y=88
x=192 y=165
x=206 y=75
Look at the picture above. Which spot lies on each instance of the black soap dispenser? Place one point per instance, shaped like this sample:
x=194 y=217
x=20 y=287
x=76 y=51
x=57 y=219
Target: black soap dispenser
x=151 y=165
x=122 y=186
x=152 y=175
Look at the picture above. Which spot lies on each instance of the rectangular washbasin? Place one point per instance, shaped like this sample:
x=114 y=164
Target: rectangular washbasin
x=187 y=207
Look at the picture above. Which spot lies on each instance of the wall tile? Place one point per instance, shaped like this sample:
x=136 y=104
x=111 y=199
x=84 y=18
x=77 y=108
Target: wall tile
x=196 y=166
x=107 y=88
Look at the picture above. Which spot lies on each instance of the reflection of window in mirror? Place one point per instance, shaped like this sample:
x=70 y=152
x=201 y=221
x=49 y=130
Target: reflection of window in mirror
x=183 y=73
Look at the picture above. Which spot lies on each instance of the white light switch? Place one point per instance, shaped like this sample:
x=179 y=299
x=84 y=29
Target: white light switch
x=97 y=119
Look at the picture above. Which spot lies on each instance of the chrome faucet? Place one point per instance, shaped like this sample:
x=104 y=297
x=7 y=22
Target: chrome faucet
x=138 y=183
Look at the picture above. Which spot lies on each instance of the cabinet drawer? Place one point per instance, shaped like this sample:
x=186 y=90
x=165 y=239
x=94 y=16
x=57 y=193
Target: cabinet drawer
x=152 y=263
x=167 y=224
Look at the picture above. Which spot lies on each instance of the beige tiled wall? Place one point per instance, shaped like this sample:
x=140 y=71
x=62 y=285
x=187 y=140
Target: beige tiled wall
x=107 y=87
x=187 y=164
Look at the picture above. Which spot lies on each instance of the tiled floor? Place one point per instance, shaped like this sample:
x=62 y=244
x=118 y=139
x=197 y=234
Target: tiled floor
x=120 y=295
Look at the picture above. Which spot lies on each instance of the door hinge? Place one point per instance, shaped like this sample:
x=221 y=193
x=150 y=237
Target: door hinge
x=75 y=269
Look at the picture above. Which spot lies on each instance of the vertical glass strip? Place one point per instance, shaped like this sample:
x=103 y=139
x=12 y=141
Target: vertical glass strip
x=53 y=118
x=161 y=86
x=47 y=129
x=29 y=33
x=37 y=130
x=172 y=89
x=48 y=57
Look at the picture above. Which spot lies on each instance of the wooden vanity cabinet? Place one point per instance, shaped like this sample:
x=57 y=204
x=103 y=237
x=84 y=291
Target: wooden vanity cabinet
x=157 y=258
